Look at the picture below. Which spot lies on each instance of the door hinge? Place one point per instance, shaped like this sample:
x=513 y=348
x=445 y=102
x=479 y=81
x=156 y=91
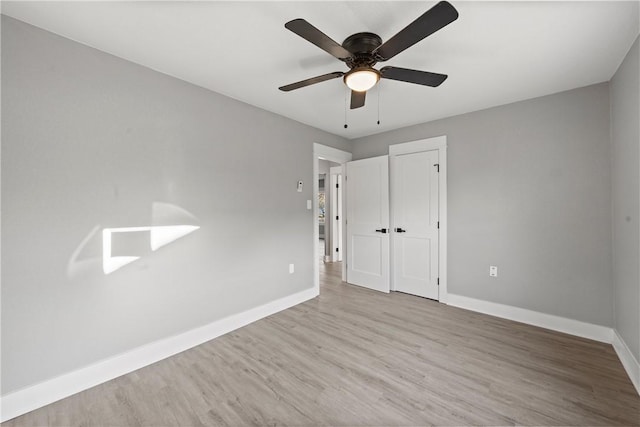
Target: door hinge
x=337 y=218
x=337 y=249
x=437 y=165
x=438 y=224
x=337 y=185
x=438 y=281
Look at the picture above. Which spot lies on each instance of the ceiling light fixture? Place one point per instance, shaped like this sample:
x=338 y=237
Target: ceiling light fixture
x=361 y=79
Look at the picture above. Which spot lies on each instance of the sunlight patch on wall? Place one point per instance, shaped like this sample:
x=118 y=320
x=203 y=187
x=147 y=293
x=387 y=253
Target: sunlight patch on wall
x=158 y=236
x=163 y=235
x=121 y=246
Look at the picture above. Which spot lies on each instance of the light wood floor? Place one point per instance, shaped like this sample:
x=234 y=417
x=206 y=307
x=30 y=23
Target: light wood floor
x=358 y=357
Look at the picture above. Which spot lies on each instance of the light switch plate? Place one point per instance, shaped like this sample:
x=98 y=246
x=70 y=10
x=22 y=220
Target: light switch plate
x=309 y=204
x=493 y=271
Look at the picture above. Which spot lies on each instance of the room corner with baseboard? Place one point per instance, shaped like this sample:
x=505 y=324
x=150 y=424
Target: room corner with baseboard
x=563 y=139
x=625 y=195
x=121 y=147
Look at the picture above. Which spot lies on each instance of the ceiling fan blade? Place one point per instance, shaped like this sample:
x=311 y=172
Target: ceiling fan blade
x=440 y=15
x=317 y=37
x=357 y=99
x=413 y=76
x=311 y=81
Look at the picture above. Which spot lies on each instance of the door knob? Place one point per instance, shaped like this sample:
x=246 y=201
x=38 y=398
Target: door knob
x=400 y=230
x=382 y=230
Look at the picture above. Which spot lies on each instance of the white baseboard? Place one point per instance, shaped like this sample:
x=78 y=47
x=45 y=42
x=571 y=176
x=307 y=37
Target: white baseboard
x=629 y=362
x=535 y=318
x=556 y=323
x=46 y=392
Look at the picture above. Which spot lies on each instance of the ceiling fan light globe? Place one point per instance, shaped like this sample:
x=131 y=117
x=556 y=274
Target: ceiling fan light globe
x=361 y=79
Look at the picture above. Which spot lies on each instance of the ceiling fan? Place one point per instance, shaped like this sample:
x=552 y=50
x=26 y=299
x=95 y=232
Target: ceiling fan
x=361 y=51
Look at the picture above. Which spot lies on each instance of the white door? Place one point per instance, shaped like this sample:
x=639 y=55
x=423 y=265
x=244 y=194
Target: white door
x=336 y=213
x=414 y=199
x=367 y=188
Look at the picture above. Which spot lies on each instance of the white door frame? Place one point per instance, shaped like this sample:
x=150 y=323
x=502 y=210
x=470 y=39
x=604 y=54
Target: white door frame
x=437 y=143
x=337 y=156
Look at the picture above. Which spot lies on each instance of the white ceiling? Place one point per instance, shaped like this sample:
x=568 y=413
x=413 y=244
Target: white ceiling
x=495 y=53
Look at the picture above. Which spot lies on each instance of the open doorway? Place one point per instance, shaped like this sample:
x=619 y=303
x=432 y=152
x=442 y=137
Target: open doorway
x=338 y=158
x=328 y=210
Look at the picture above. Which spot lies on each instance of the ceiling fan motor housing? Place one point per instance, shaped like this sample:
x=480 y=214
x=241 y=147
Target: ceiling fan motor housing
x=362 y=46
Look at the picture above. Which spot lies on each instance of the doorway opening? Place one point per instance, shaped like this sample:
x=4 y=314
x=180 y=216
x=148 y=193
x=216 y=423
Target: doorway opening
x=329 y=209
x=327 y=171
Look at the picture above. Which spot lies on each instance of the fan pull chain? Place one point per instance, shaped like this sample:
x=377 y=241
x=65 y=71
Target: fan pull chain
x=378 y=103
x=345 y=109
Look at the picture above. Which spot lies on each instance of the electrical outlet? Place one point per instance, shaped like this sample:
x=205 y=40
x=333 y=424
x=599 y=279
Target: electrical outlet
x=493 y=271
x=291 y=268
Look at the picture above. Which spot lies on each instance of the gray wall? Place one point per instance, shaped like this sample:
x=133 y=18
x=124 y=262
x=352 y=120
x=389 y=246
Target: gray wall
x=92 y=141
x=323 y=167
x=625 y=142
x=528 y=191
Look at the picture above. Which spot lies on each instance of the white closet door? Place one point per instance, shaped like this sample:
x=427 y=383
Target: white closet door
x=367 y=199
x=414 y=193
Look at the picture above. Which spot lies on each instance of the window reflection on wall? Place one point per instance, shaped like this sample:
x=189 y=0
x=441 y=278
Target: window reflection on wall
x=158 y=236
x=111 y=248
